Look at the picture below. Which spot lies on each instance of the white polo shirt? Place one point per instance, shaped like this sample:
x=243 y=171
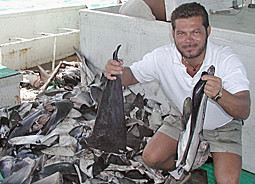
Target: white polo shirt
x=164 y=65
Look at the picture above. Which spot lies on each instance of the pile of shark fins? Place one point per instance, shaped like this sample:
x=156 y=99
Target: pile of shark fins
x=45 y=140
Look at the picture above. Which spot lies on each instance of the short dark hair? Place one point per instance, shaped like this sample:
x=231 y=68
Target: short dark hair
x=188 y=10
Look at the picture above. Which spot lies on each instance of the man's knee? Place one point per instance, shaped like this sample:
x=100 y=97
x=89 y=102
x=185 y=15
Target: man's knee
x=227 y=167
x=155 y=161
x=160 y=152
x=227 y=178
x=150 y=159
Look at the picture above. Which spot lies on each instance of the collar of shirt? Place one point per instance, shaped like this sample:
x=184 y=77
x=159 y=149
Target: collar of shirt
x=206 y=63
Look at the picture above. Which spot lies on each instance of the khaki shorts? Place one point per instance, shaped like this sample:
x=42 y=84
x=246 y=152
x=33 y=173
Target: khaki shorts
x=223 y=139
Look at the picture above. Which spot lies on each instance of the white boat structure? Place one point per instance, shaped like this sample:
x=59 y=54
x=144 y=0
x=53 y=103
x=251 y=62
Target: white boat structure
x=36 y=37
x=31 y=38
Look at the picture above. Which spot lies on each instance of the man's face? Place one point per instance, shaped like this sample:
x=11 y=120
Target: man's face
x=190 y=36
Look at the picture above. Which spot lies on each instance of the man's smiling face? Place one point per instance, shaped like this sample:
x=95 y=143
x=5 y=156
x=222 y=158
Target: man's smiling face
x=190 y=36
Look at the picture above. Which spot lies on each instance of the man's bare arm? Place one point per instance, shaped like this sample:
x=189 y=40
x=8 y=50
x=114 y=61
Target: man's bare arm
x=128 y=77
x=236 y=105
x=158 y=8
x=115 y=68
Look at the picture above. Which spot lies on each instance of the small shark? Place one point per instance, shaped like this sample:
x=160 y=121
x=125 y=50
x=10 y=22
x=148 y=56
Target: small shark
x=193 y=149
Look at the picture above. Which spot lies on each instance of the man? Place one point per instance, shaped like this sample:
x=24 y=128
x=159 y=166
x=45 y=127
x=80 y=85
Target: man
x=177 y=67
x=149 y=9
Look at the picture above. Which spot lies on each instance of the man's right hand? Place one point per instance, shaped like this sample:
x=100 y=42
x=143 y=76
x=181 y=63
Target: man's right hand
x=113 y=67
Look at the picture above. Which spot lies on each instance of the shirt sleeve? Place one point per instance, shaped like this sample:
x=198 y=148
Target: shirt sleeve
x=146 y=69
x=234 y=76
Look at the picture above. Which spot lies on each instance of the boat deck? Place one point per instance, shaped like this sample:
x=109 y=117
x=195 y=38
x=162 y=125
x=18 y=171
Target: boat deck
x=241 y=20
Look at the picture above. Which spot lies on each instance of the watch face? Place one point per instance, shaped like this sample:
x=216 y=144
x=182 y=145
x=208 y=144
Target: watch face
x=217 y=98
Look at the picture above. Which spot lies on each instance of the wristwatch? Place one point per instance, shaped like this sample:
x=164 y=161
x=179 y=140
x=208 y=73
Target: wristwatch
x=218 y=96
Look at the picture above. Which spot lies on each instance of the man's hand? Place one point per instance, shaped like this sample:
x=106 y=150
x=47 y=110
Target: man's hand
x=113 y=67
x=212 y=86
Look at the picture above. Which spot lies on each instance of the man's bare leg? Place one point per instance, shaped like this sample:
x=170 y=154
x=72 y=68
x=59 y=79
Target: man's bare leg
x=158 y=8
x=160 y=152
x=227 y=167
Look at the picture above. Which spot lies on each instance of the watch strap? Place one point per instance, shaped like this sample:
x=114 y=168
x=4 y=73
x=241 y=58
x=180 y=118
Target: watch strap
x=219 y=95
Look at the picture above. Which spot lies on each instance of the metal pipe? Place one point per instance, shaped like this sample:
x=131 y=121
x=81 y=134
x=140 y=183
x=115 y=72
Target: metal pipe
x=54 y=54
